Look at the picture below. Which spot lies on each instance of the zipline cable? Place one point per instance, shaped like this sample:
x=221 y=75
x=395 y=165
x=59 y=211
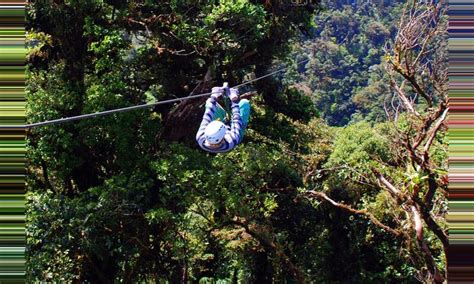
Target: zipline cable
x=269 y=74
x=124 y=109
x=102 y=113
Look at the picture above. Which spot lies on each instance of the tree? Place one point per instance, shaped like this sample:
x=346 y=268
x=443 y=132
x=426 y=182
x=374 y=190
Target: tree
x=110 y=199
x=406 y=157
x=130 y=197
x=345 y=52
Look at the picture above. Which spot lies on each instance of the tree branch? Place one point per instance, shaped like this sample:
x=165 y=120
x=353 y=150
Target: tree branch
x=347 y=208
x=401 y=94
x=423 y=131
x=270 y=245
x=434 y=227
x=438 y=278
x=434 y=130
x=431 y=223
x=385 y=183
x=411 y=78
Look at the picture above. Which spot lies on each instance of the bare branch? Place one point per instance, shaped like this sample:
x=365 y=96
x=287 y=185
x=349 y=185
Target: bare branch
x=423 y=50
x=438 y=278
x=401 y=94
x=423 y=131
x=434 y=130
x=323 y=196
x=416 y=31
x=414 y=83
x=385 y=183
x=431 y=223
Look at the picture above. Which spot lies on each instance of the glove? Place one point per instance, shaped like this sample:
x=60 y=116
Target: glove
x=234 y=94
x=217 y=92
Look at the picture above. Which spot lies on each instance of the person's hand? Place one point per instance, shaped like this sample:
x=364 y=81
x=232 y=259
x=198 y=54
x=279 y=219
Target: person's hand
x=234 y=94
x=217 y=92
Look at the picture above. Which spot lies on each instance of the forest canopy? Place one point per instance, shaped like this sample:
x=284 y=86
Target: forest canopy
x=341 y=176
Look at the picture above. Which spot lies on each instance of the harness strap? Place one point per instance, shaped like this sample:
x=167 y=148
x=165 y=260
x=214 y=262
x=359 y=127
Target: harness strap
x=227 y=103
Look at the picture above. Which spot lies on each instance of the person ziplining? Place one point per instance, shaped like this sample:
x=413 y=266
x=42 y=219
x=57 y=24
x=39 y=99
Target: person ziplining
x=214 y=135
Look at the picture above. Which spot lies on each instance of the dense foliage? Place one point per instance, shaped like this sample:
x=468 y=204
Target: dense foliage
x=129 y=197
x=346 y=49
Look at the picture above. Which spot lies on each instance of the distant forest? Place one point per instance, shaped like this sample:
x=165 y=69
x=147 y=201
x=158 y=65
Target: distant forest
x=346 y=47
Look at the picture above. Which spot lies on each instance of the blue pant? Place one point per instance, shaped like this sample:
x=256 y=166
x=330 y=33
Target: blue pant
x=244 y=107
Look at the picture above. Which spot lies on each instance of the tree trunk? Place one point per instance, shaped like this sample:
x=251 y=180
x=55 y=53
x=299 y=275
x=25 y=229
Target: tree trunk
x=263 y=269
x=437 y=277
x=182 y=123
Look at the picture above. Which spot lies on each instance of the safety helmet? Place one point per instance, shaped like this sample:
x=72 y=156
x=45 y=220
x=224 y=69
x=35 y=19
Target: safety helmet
x=215 y=132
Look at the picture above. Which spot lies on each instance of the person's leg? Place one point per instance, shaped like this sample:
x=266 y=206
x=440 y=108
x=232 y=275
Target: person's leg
x=244 y=106
x=219 y=114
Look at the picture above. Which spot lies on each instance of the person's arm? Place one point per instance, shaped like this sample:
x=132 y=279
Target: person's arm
x=207 y=117
x=236 y=123
x=233 y=135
